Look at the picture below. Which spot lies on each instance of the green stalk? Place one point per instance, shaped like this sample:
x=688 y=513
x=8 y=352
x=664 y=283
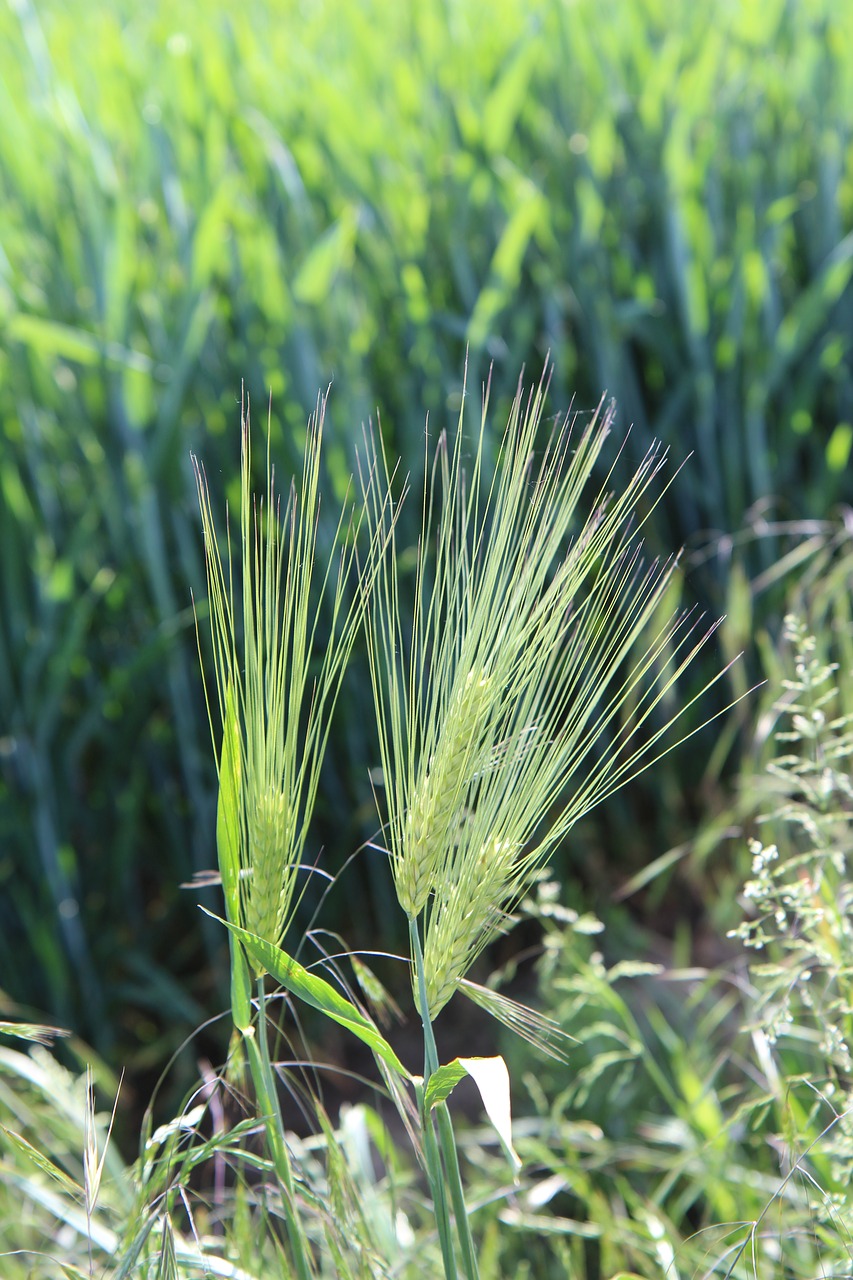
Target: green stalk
x=268 y=1104
x=450 y=1166
x=435 y=1177
x=430 y=1050
x=451 y=1163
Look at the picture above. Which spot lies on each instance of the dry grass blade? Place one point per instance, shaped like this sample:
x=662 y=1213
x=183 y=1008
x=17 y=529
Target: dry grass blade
x=93 y=1161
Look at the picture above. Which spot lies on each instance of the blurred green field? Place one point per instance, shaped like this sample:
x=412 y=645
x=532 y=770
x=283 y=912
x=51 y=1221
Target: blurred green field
x=278 y=196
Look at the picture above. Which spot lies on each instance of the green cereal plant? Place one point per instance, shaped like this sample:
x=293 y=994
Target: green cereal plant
x=275 y=710
x=522 y=693
x=520 y=688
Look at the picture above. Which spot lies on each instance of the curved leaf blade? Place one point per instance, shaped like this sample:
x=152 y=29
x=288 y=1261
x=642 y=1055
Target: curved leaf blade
x=316 y=992
x=491 y=1077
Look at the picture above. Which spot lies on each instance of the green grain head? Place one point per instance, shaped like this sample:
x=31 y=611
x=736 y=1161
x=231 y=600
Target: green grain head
x=536 y=656
x=440 y=790
x=266 y=616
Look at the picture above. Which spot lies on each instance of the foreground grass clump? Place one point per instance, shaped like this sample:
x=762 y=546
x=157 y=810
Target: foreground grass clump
x=704 y=1127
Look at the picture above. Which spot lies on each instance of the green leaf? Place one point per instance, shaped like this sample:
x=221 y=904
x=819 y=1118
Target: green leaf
x=809 y=313
x=51 y=338
x=504 y=104
x=491 y=1077
x=31 y=1031
x=43 y=1163
x=228 y=807
x=316 y=992
x=839 y=447
x=442 y=1083
x=241 y=988
x=506 y=265
x=332 y=254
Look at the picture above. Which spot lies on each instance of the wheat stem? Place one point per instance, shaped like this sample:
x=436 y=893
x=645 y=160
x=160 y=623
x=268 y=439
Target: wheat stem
x=262 y=1077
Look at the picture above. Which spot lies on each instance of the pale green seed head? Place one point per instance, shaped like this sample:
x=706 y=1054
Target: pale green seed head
x=532 y=579
x=440 y=792
x=270 y=886
x=466 y=913
x=274 y=704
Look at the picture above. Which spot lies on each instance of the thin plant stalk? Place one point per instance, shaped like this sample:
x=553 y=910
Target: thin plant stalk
x=436 y=1172
x=435 y=1178
x=457 y=1194
x=260 y=1066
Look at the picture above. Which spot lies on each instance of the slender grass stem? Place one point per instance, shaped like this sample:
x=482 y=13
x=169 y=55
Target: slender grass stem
x=430 y=1050
x=436 y=1179
x=261 y=1068
x=452 y=1177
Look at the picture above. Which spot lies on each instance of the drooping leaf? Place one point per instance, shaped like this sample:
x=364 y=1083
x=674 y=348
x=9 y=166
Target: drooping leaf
x=43 y=1162
x=491 y=1077
x=316 y=992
